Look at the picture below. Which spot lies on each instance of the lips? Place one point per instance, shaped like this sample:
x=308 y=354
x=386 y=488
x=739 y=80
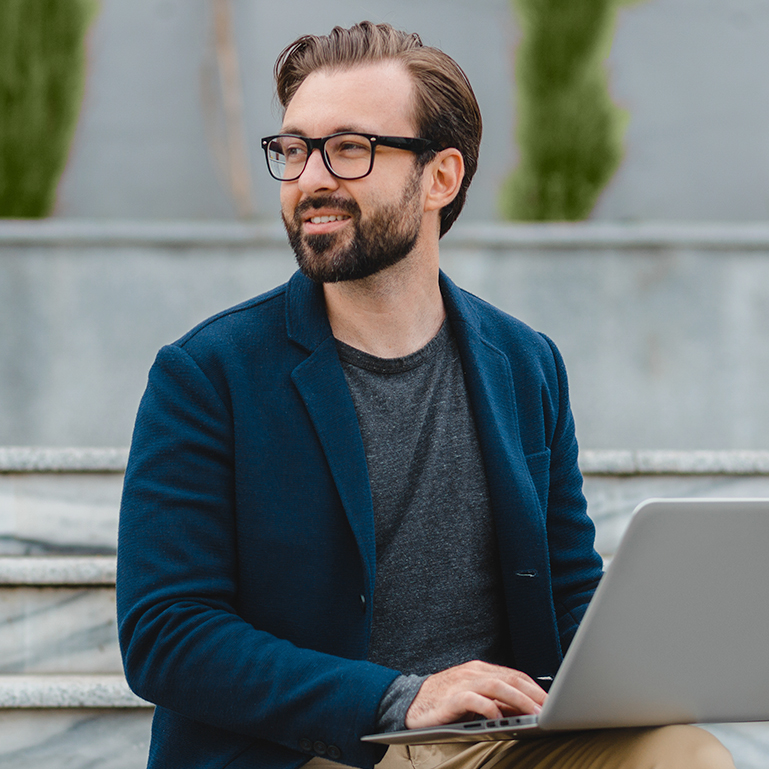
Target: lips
x=325 y=209
x=324 y=223
x=325 y=219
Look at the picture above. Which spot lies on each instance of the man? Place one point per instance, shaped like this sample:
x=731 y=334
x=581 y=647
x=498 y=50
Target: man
x=353 y=504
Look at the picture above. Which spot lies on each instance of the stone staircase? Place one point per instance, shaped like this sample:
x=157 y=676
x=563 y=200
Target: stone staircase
x=63 y=700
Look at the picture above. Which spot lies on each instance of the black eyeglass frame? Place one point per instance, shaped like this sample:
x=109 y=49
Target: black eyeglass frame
x=409 y=143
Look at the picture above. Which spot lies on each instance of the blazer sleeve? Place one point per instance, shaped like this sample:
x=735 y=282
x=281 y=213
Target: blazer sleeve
x=184 y=646
x=576 y=568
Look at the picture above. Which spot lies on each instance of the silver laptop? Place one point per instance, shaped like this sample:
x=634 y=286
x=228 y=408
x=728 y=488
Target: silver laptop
x=677 y=632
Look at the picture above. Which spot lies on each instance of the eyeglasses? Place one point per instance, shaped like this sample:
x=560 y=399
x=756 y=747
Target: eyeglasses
x=345 y=155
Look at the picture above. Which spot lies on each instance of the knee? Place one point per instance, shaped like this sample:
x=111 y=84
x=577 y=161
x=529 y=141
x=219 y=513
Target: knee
x=687 y=746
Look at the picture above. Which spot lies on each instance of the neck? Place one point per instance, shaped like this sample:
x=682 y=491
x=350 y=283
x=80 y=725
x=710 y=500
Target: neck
x=391 y=314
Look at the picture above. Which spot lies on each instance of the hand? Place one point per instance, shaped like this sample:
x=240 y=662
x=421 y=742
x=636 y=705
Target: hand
x=491 y=691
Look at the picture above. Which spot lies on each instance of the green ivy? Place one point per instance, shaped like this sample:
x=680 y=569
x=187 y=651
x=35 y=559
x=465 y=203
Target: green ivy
x=569 y=131
x=42 y=75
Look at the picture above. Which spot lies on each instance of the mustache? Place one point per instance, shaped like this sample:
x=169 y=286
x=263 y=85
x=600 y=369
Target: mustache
x=326 y=201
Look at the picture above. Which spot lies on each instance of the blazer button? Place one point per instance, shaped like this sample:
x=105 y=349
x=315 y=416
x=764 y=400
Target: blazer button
x=319 y=747
x=305 y=745
x=363 y=602
x=334 y=753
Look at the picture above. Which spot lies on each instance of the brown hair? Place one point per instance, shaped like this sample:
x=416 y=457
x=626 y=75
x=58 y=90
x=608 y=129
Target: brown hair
x=445 y=108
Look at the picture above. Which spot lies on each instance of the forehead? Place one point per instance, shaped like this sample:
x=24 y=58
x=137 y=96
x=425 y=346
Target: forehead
x=375 y=98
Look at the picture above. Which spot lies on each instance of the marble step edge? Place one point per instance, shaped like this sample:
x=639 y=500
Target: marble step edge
x=69 y=571
x=41 y=459
x=67 y=691
x=69 y=459
x=673 y=462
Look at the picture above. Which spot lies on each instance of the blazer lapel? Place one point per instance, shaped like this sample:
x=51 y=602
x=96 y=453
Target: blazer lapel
x=323 y=388
x=518 y=516
x=490 y=387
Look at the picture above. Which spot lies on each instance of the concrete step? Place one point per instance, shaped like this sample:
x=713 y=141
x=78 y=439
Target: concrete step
x=73 y=738
x=57 y=615
x=67 y=691
x=68 y=722
x=64 y=701
x=65 y=500
x=616 y=482
x=61 y=501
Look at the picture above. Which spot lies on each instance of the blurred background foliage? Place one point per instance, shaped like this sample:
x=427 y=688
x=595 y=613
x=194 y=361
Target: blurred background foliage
x=42 y=75
x=569 y=132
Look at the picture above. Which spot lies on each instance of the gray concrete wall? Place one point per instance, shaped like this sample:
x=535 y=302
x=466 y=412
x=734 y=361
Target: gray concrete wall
x=148 y=139
x=663 y=328
x=691 y=74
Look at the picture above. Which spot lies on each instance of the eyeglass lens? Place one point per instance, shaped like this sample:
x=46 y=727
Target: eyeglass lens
x=348 y=156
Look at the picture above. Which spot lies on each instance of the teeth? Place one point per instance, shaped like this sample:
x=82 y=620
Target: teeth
x=324 y=219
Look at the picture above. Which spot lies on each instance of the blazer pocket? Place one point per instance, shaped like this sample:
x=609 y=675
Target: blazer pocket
x=539 y=469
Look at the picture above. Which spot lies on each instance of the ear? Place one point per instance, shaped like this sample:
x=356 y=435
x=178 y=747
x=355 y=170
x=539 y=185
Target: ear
x=443 y=177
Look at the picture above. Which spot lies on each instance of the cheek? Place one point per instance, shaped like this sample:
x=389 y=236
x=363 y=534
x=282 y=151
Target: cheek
x=288 y=198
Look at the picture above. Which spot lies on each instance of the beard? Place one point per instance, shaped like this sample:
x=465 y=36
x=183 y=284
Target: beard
x=384 y=238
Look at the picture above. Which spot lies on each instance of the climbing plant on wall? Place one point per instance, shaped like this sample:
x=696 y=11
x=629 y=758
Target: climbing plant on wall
x=569 y=132
x=42 y=73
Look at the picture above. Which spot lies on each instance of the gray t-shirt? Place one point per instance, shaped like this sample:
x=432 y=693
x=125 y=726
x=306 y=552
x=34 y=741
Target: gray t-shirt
x=438 y=597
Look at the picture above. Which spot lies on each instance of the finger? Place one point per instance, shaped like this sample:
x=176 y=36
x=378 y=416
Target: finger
x=525 y=684
x=533 y=690
x=463 y=704
x=474 y=703
x=510 y=696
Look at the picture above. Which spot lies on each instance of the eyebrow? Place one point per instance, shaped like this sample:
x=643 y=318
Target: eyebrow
x=341 y=129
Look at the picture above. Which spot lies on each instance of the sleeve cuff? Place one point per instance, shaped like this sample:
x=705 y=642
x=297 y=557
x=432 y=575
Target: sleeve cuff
x=391 y=716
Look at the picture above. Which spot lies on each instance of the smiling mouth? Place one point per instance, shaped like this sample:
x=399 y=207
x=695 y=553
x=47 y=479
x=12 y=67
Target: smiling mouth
x=326 y=219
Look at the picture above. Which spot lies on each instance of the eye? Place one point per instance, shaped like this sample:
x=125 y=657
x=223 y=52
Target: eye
x=294 y=150
x=350 y=146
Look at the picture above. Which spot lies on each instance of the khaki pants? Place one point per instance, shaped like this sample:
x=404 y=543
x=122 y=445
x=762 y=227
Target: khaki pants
x=667 y=747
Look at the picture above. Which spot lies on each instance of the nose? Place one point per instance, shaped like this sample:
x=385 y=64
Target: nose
x=316 y=176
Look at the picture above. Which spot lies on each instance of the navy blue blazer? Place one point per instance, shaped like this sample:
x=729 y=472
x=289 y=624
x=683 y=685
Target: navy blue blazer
x=246 y=556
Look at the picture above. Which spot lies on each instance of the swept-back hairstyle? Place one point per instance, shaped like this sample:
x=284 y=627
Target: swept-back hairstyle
x=445 y=107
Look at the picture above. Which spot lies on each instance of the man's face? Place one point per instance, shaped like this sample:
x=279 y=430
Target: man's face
x=348 y=230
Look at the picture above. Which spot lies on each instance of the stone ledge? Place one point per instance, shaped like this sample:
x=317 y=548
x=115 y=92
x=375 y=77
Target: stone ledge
x=38 y=459
x=707 y=236
x=655 y=462
x=580 y=235
x=62 y=571
x=42 y=459
x=75 y=691
x=100 y=233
